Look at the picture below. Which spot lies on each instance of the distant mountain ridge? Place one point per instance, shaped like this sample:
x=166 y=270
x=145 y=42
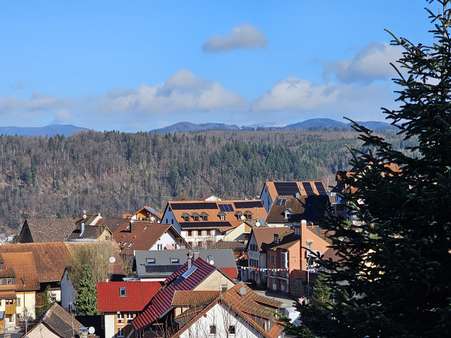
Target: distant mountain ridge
x=310 y=124
x=50 y=130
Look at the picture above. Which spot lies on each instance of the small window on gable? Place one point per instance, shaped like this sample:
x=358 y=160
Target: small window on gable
x=122 y=292
x=231 y=329
x=150 y=260
x=212 y=329
x=175 y=260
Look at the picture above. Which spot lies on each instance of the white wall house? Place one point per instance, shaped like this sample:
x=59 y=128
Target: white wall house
x=219 y=321
x=68 y=293
x=166 y=242
x=169 y=218
x=256 y=260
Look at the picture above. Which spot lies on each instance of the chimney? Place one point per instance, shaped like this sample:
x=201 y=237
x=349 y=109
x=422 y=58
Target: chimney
x=189 y=260
x=82 y=229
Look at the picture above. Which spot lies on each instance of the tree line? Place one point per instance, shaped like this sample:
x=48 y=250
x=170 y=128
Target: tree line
x=114 y=172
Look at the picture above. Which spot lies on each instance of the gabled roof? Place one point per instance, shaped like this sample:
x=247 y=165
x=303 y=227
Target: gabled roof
x=244 y=303
x=231 y=210
x=23 y=266
x=137 y=295
x=60 y=322
x=266 y=234
x=193 y=298
x=168 y=261
x=161 y=303
x=51 y=258
x=285 y=241
x=113 y=223
x=46 y=229
x=142 y=235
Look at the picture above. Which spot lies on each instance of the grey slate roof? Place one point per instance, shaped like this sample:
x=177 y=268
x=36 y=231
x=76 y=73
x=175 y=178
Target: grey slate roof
x=163 y=267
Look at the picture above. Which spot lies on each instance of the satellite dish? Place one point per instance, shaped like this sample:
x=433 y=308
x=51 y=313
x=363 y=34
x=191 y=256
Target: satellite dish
x=257 y=224
x=112 y=260
x=243 y=218
x=152 y=219
x=91 y=330
x=212 y=262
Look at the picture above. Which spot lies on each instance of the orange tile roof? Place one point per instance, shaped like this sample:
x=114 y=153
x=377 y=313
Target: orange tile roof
x=193 y=298
x=25 y=272
x=266 y=234
x=51 y=258
x=212 y=210
x=143 y=235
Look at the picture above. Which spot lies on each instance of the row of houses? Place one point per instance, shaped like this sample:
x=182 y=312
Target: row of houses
x=265 y=243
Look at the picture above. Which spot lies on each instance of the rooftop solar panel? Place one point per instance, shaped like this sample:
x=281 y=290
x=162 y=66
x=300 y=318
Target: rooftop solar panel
x=320 y=187
x=308 y=188
x=286 y=188
x=248 y=204
x=225 y=207
x=193 y=206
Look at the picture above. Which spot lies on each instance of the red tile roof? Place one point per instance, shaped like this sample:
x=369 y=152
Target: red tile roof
x=160 y=304
x=138 y=294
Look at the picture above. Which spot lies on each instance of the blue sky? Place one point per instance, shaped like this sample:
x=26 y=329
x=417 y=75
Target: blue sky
x=138 y=65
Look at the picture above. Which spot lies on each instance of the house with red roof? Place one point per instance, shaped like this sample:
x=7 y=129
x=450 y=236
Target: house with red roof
x=157 y=318
x=120 y=302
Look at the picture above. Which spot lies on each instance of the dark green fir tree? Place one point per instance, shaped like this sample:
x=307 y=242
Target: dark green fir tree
x=86 y=293
x=394 y=272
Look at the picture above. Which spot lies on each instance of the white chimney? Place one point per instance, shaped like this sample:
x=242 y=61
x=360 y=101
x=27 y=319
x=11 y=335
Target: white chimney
x=82 y=229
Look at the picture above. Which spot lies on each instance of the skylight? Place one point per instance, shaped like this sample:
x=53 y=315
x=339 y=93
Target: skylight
x=189 y=272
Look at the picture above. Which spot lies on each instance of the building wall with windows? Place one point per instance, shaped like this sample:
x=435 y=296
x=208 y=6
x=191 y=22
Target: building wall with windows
x=216 y=281
x=169 y=218
x=220 y=321
x=165 y=242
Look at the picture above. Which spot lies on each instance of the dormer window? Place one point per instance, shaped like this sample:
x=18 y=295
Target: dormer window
x=204 y=216
x=238 y=215
x=122 y=292
x=248 y=214
x=195 y=216
x=185 y=217
x=222 y=216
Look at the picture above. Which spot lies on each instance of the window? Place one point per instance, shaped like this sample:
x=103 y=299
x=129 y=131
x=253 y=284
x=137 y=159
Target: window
x=212 y=329
x=223 y=287
x=159 y=247
x=18 y=301
x=212 y=232
x=175 y=260
x=222 y=216
x=204 y=233
x=150 y=260
x=120 y=333
x=194 y=233
x=231 y=329
x=172 y=221
x=122 y=292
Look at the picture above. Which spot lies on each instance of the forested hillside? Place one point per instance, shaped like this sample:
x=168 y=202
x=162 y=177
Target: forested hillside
x=114 y=172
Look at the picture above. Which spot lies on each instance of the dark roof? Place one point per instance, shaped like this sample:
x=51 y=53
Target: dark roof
x=311 y=208
x=163 y=266
x=91 y=232
x=47 y=229
x=61 y=322
x=161 y=303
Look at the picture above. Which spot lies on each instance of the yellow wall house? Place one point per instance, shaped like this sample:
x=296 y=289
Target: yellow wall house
x=18 y=286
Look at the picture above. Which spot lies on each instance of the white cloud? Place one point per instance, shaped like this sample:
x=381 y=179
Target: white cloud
x=182 y=92
x=302 y=98
x=241 y=37
x=36 y=102
x=370 y=64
